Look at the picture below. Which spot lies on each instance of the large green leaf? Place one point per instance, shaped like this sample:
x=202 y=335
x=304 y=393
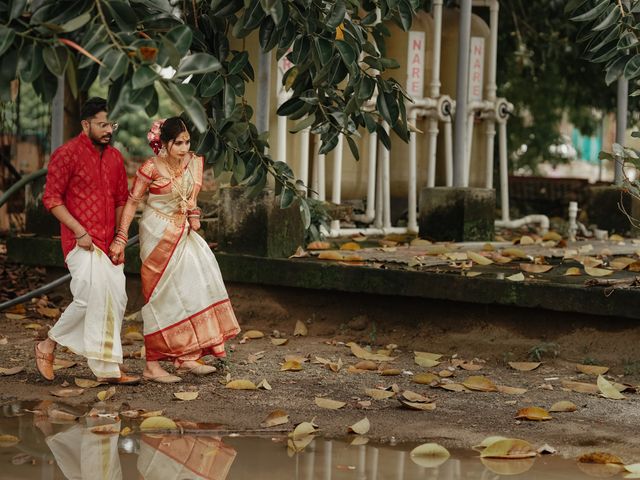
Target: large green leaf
x=77 y=23
x=632 y=68
x=592 y=14
x=31 y=63
x=17 y=8
x=143 y=77
x=6 y=38
x=347 y=53
x=181 y=38
x=615 y=70
x=336 y=16
x=55 y=58
x=197 y=63
x=237 y=64
x=122 y=14
x=211 y=84
x=388 y=108
x=611 y=18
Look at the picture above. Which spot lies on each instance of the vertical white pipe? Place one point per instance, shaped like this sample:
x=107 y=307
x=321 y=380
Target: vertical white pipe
x=310 y=456
x=386 y=184
x=315 y=175
x=412 y=220
x=504 y=171
x=322 y=196
x=328 y=452
x=462 y=93
x=448 y=151
x=263 y=108
x=282 y=121
x=621 y=125
x=490 y=132
x=434 y=86
x=373 y=463
x=361 y=470
x=400 y=466
x=304 y=158
x=379 y=188
x=371 y=176
x=57 y=115
x=336 y=188
x=467 y=159
x=432 y=146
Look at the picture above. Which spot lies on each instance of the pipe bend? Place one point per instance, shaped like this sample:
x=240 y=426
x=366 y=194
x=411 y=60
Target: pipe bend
x=542 y=220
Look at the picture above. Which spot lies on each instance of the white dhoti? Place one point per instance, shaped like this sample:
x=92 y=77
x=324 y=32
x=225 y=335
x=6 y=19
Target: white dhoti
x=90 y=326
x=83 y=455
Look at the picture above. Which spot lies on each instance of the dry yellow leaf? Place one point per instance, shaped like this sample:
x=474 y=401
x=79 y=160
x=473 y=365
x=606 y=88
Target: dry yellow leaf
x=300 y=329
x=48 y=312
x=514 y=253
x=158 y=423
x=295 y=358
x=151 y=413
x=563 y=406
x=511 y=390
x=389 y=372
x=67 y=392
x=15 y=316
x=33 y=326
x=134 y=334
x=253 y=334
x=277 y=417
x=501 y=258
x=87 y=383
x=633 y=468
x=580 y=387
x=303 y=429
x=590 y=261
x=105 y=395
x=350 y=246
x=378 y=394
x=533 y=413
x=241 y=384
x=8 y=441
x=361 y=427
x=126 y=431
x=323 y=402
x=60 y=363
x=480 y=383
x=488 y=441
x=524 y=366
x=534 y=268
x=600 y=458
x=430 y=356
x=445 y=373
x=110 y=429
x=186 y=396
x=597 y=272
x=291 y=366
x=360 y=352
x=429 y=455
x=479 y=259
x=417 y=405
x=319 y=246
x=608 y=390
x=510 y=448
x=359 y=440
x=471 y=274
x=11 y=370
x=454 y=387
x=366 y=365
x=518 y=277
x=426 y=362
x=414 y=397
x=425 y=378
x=620 y=263
x=470 y=366
x=551 y=235
x=616 y=238
x=331 y=255
x=420 y=242
x=61 y=416
x=573 y=272
x=526 y=240
x=592 y=369
x=264 y=385
x=300 y=253
x=279 y=341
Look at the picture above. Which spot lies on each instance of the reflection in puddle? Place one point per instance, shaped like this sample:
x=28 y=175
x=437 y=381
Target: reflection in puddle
x=52 y=449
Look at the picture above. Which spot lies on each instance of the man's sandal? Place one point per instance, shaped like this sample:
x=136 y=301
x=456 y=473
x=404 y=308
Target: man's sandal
x=44 y=363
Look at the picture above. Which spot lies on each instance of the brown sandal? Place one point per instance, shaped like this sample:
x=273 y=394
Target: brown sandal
x=44 y=363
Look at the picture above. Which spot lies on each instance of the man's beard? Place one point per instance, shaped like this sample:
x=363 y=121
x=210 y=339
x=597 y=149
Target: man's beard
x=102 y=141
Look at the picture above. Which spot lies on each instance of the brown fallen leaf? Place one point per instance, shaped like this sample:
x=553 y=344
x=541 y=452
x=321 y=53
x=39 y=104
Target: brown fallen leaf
x=510 y=448
x=607 y=390
x=110 y=429
x=597 y=272
x=277 y=417
x=592 y=369
x=425 y=378
x=514 y=253
x=291 y=366
x=417 y=405
x=105 y=395
x=350 y=246
x=511 y=390
x=600 y=458
x=300 y=329
x=60 y=363
x=48 y=312
x=378 y=394
x=241 y=384
x=533 y=413
x=470 y=366
x=518 y=277
x=533 y=268
x=366 y=365
x=563 y=406
x=524 y=366
x=429 y=455
x=126 y=431
x=454 y=387
x=300 y=253
x=426 y=362
x=414 y=397
x=67 y=392
x=8 y=441
x=323 y=402
x=158 y=423
x=318 y=246
x=388 y=372
x=361 y=427
x=264 y=385
x=480 y=383
x=11 y=370
x=15 y=316
x=87 y=383
x=573 y=271
x=186 y=396
x=363 y=354
x=253 y=334
x=445 y=373
x=479 y=259
x=580 y=387
x=56 y=414
x=620 y=263
x=279 y=341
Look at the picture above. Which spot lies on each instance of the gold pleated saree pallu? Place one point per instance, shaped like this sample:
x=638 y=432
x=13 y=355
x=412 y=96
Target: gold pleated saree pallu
x=188 y=313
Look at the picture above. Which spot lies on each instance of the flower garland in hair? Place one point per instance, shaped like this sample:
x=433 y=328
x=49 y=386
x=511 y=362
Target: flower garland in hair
x=154 y=136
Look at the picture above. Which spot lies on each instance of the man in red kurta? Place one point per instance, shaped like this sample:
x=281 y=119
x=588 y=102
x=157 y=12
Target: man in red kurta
x=86 y=190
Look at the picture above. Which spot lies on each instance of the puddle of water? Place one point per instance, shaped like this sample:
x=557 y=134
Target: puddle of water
x=51 y=449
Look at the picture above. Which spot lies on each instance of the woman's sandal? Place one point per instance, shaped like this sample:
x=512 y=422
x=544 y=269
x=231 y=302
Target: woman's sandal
x=44 y=363
x=168 y=378
x=200 y=370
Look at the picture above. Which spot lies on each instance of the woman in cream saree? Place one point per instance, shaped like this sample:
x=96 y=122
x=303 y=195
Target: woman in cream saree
x=187 y=313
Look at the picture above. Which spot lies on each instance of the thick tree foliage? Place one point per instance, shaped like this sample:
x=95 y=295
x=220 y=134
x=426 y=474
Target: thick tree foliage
x=136 y=47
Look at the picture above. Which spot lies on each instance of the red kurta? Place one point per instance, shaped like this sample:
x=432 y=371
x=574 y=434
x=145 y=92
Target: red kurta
x=91 y=184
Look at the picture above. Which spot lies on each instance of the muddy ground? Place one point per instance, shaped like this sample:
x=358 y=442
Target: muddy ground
x=491 y=335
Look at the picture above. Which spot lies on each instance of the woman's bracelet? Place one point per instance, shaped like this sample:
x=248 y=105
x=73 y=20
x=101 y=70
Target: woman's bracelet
x=78 y=238
x=120 y=241
x=193 y=215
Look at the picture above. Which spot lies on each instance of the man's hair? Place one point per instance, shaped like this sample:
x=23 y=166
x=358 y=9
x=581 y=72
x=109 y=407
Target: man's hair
x=92 y=107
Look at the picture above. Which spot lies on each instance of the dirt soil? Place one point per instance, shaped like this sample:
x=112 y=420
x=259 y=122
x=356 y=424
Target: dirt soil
x=491 y=336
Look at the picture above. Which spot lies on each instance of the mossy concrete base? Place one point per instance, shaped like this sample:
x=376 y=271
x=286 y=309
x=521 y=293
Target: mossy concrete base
x=257 y=226
x=314 y=274
x=457 y=214
x=38 y=219
x=605 y=209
